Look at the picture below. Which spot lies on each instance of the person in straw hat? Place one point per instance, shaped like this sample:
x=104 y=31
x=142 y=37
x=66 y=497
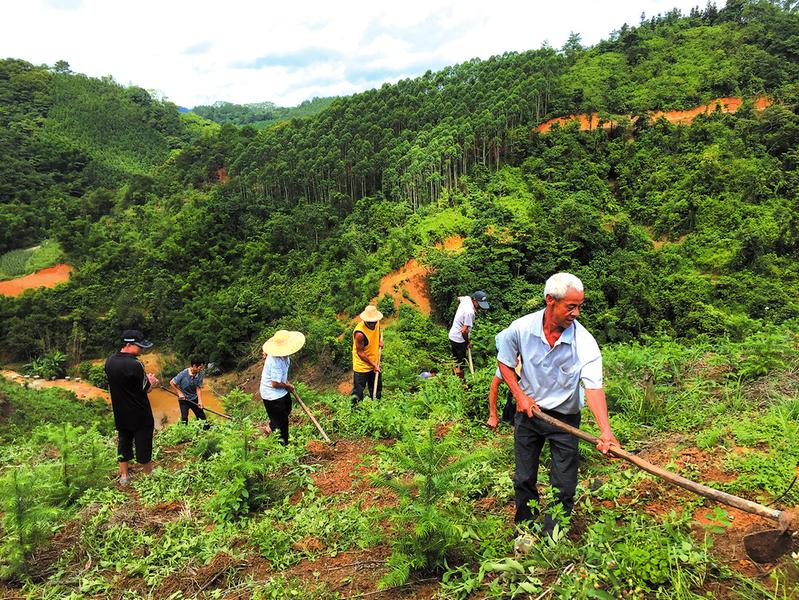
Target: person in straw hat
x=275 y=387
x=367 y=340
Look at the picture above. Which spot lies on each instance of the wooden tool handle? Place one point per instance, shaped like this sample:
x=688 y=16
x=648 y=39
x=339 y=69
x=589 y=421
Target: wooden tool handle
x=471 y=364
x=310 y=416
x=678 y=480
x=377 y=373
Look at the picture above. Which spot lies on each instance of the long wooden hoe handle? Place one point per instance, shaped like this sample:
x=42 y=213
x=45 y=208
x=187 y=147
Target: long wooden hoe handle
x=377 y=373
x=315 y=422
x=691 y=486
x=471 y=364
x=210 y=410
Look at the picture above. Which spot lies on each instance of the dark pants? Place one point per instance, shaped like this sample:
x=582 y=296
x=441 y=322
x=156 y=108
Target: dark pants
x=509 y=410
x=459 y=352
x=365 y=380
x=528 y=440
x=185 y=407
x=143 y=441
x=279 y=411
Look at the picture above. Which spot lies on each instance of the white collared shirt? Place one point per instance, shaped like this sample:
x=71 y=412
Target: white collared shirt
x=551 y=375
x=463 y=316
x=276 y=368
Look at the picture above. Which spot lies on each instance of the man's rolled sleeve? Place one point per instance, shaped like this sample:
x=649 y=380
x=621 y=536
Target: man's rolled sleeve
x=508 y=351
x=591 y=373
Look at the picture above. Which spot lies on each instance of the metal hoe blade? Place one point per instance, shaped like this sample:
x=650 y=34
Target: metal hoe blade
x=769 y=545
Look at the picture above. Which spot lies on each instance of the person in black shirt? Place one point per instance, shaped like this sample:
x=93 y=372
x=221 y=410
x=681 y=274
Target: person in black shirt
x=133 y=417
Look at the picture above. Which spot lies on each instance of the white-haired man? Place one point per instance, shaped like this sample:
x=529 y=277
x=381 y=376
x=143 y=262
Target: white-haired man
x=561 y=366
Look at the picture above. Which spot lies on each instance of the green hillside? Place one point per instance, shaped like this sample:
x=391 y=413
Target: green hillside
x=260 y=114
x=209 y=236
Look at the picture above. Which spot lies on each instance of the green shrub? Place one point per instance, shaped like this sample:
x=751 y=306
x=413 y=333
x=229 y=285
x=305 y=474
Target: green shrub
x=93 y=373
x=386 y=305
x=27 y=519
x=50 y=366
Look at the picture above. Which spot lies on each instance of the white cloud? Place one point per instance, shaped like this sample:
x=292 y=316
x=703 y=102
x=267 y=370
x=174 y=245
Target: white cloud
x=194 y=51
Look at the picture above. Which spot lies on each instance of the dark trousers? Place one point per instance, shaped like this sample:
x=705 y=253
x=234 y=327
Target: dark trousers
x=509 y=410
x=185 y=407
x=279 y=411
x=365 y=380
x=459 y=352
x=528 y=441
x=143 y=441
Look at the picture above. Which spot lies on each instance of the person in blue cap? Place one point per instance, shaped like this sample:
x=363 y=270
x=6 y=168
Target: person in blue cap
x=462 y=326
x=133 y=416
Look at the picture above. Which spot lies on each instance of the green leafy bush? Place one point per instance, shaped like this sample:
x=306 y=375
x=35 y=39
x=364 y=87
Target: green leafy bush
x=50 y=366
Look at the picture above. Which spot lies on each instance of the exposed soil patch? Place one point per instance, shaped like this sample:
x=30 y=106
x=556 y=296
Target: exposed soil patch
x=49 y=278
x=81 y=389
x=357 y=572
x=217 y=574
x=591 y=120
x=408 y=284
x=344 y=464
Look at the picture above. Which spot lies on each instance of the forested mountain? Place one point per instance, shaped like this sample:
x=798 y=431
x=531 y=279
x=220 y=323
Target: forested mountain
x=65 y=136
x=210 y=237
x=260 y=114
x=676 y=230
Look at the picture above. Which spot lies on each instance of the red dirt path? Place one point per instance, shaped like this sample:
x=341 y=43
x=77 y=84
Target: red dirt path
x=412 y=280
x=49 y=277
x=591 y=121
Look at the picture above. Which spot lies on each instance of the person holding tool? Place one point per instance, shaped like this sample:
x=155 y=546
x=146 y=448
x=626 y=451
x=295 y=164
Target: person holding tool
x=367 y=342
x=462 y=326
x=561 y=368
x=188 y=385
x=275 y=388
x=133 y=416
x=509 y=410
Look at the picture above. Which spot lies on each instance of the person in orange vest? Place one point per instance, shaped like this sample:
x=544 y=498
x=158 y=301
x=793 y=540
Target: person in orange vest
x=367 y=342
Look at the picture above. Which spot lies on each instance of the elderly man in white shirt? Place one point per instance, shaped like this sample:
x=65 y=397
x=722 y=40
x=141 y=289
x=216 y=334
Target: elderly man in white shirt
x=561 y=369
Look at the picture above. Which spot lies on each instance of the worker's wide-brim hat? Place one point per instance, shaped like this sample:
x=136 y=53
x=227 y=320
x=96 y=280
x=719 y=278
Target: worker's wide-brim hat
x=370 y=314
x=284 y=343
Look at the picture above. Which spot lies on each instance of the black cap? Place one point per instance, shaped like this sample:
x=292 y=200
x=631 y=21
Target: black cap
x=134 y=336
x=481 y=298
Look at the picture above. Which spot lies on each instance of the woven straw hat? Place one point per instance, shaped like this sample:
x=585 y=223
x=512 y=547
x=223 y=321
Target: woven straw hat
x=284 y=343
x=370 y=314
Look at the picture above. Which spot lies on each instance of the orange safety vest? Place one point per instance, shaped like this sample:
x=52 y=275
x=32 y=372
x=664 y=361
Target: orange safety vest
x=372 y=349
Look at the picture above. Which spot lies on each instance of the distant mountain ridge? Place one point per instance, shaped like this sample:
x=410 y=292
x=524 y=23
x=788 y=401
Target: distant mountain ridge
x=260 y=114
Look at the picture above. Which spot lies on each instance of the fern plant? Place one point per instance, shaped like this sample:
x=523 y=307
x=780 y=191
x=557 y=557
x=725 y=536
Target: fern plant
x=430 y=526
x=27 y=520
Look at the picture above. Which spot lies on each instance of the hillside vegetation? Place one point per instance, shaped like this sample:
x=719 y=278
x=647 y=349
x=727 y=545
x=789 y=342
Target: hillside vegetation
x=209 y=237
x=676 y=230
x=261 y=114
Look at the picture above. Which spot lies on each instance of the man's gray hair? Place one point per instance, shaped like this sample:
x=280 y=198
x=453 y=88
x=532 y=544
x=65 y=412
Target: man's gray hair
x=557 y=285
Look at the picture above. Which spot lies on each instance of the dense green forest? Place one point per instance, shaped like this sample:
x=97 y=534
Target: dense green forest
x=260 y=114
x=209 y=236
x=676 y=230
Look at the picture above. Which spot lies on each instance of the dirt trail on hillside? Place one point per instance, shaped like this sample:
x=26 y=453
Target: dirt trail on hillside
x=164 y=404
x=681 y=117
x=408 y=284
x=49 y=277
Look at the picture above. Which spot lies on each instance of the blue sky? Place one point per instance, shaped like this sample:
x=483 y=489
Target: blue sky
x=238 y=51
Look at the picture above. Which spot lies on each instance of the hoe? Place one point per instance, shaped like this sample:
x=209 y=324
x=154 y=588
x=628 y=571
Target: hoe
x=762 y=546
